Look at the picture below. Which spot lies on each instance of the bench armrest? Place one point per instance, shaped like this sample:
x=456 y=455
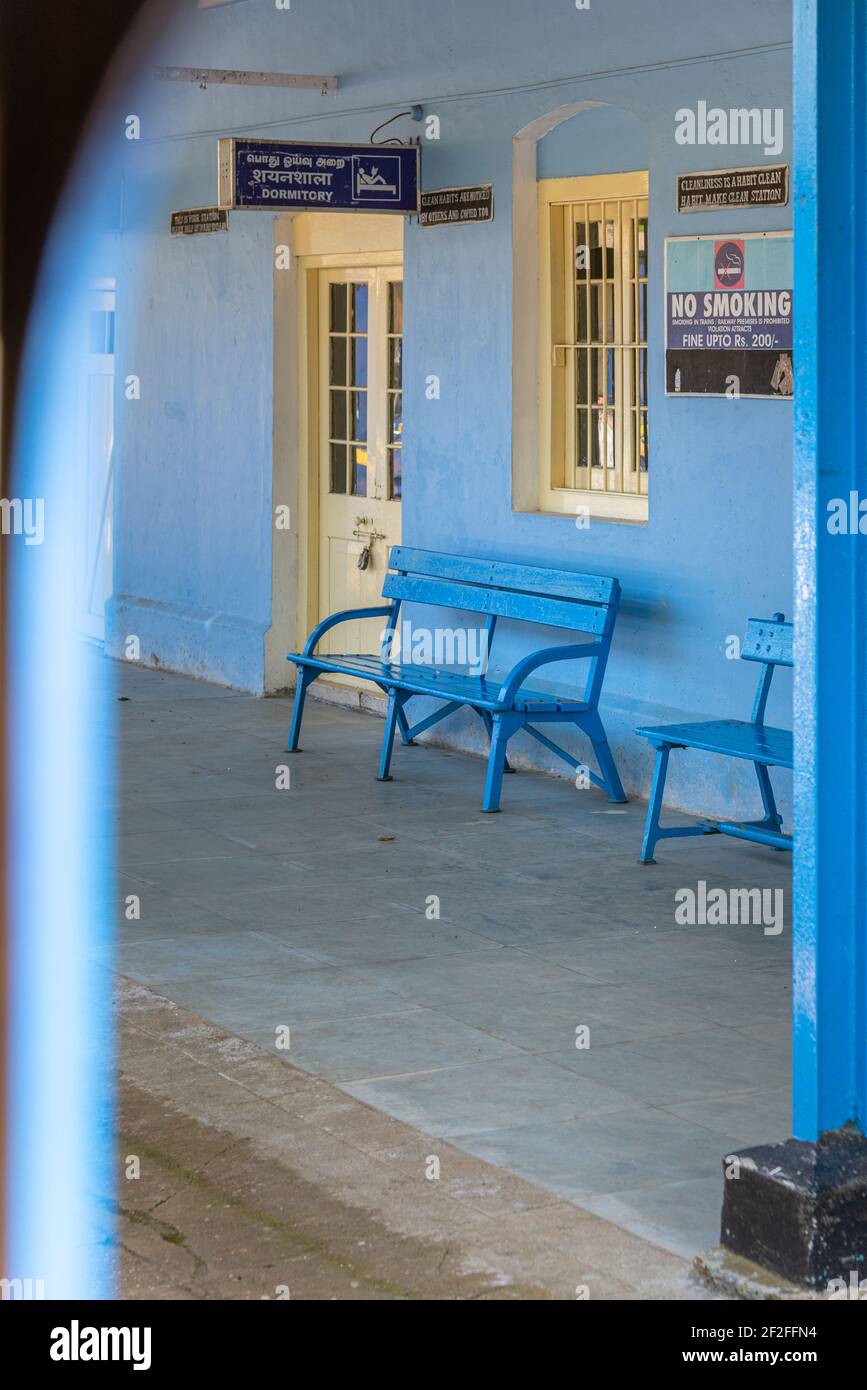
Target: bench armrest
x=519 y=673
x=346 y=616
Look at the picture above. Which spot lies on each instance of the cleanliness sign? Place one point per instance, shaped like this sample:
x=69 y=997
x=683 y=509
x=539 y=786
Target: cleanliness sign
x=728 y=305
x=276 y=175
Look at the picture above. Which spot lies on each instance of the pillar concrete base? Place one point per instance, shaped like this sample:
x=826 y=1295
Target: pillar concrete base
x=800 y=1209
x=736 y=1277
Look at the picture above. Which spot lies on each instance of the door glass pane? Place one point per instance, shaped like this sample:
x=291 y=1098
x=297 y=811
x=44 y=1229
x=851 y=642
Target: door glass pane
x=358 y=352
x=359 y=471
x=338 y=414
x=359 y=308
x=395 y=417
x=337 y=367
x=338 y=308
x=394 y=423
x=357 y=327
x=338 y=468
x=359 y=415
x=395 y=306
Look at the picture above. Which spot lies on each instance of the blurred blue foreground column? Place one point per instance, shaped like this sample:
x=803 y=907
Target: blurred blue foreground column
x=61 y=811
x=800 y=1208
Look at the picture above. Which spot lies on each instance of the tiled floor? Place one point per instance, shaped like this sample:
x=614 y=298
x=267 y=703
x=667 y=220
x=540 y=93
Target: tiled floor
x=308 y=908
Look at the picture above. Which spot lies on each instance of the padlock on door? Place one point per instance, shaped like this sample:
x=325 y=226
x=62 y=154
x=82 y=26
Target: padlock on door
x=369 y=537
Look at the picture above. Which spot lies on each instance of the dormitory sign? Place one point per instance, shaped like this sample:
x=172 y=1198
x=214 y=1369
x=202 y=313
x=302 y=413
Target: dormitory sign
x=281 y=175
x=728 y=315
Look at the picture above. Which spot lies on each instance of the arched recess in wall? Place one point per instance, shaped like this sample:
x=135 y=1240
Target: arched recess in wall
x=580 y=137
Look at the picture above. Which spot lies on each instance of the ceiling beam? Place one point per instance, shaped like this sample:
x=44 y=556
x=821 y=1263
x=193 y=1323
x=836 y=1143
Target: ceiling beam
x=232 y=77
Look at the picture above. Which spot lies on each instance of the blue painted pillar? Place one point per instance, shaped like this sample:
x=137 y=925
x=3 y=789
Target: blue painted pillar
x=800 y=1208
x=830 y=901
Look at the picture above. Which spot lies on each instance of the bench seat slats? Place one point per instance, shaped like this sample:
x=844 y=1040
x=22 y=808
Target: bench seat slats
x=500 y=574
x=734 y=738
x=505 y=603
x=488 y=590
x=440 y=682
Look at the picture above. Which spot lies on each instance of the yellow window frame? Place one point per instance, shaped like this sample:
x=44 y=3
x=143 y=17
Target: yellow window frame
x=612 y=432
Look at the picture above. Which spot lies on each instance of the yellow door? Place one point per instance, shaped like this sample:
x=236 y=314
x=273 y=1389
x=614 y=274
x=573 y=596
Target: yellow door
x=360 y=437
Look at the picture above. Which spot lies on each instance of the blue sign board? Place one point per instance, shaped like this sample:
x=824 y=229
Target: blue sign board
x=277 y=175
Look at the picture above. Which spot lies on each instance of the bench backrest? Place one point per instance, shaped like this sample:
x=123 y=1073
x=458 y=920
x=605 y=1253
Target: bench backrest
x=768 y=640
x=557 y=598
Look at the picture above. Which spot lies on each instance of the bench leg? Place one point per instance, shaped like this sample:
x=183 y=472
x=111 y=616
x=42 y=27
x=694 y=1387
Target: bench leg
x=395 y=705
x=306 y=677
x=503 y=727
x=402 y=722
x=403 y=725
x=593 y=725
x=773 y=819
x=489 y=725
x=651 y=827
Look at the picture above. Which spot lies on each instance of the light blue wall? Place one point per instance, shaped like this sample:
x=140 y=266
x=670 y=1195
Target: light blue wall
x=193 y=539
x=192 y=573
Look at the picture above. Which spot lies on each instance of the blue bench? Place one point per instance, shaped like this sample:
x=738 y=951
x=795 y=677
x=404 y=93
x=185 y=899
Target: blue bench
x=494 y=590
x=770 y=643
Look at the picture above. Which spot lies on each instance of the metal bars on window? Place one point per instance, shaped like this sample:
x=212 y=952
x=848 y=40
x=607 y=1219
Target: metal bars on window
x=599 y=253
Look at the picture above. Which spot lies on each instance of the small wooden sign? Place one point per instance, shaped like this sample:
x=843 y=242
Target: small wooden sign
x=766 y=186
x=450 y=207
x=196 y=220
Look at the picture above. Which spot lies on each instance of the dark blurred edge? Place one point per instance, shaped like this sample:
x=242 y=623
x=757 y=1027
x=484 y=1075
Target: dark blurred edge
x=53 y=57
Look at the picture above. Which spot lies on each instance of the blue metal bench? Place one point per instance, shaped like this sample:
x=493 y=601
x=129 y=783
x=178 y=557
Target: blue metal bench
x=769 y=642
x=493 y=589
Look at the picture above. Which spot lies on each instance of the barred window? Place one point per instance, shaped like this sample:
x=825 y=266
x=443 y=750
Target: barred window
x=594 y=245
